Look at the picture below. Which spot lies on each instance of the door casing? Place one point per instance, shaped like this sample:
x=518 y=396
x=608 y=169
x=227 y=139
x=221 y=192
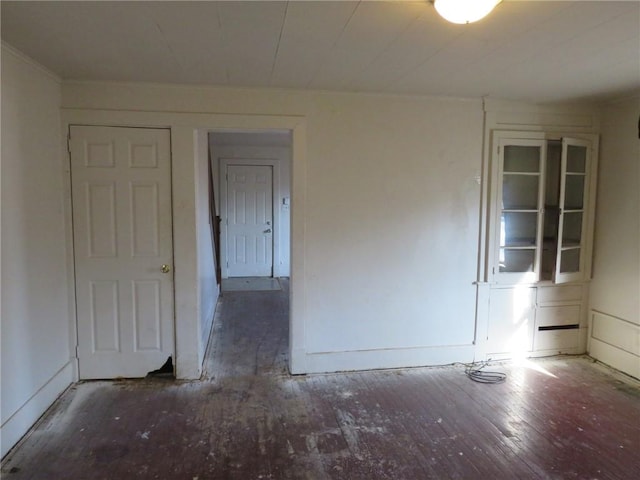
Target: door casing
x=185 y=126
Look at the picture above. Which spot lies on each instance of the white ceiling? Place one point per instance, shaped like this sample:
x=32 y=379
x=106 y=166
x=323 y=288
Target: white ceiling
x=539 y=51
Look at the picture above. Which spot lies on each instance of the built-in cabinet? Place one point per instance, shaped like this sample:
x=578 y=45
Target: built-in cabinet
x=539 y=209
x=540 y=231
x=537 y=319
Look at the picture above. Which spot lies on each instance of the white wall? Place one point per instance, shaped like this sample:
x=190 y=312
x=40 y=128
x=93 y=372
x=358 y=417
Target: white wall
x=392 y=225
x=36 y=332
x=615 y=289
x=208 y=287
x=385 y=215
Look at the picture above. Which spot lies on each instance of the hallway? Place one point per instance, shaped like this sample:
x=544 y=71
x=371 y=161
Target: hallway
x=251 y=330
x=247 y=418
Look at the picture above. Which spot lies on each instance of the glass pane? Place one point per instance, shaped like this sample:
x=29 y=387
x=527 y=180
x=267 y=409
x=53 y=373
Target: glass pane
x=570 y=260
x=576 y=159
x=516 y=260
x=518 y=158
x=574 y=192
x=572 y=229
x=518 y=229
x=520 y=192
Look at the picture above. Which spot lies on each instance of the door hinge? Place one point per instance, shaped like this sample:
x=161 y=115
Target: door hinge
x=69 y=144
x=77 y=349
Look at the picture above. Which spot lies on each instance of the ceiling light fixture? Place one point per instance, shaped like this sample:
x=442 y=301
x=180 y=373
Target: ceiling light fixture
x=464 y=11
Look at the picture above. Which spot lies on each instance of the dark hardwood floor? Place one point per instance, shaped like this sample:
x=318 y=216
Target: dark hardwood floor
x=561 y=418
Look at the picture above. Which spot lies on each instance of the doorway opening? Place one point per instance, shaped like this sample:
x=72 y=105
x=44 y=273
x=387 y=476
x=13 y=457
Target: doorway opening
x=251 y=181
x=252 y=184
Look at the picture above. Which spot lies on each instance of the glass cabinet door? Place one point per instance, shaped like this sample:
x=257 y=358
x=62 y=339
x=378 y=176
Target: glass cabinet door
x=540 y=216
x=520 y=192
x=572 y=220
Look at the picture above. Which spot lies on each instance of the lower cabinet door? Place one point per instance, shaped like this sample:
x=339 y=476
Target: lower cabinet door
x=511 y=320
x=557 y=341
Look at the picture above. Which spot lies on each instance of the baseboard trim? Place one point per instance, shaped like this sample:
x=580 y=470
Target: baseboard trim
x=615 y=342
x=297 y=362
x=614 y=357
x=19 y=423
x=384 y=358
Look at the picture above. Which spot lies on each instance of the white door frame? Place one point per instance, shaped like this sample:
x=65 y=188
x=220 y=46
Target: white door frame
x=274 y=163
x=186 y=128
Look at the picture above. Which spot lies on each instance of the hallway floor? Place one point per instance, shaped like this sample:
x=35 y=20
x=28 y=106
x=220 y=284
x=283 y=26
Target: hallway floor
x=247 y=419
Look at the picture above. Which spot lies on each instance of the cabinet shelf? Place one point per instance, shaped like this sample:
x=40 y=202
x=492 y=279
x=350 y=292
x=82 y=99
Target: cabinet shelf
x=520 y=209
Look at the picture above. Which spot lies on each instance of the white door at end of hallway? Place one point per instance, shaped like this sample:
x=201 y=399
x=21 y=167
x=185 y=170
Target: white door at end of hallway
x=123 y=249
x=249 y=220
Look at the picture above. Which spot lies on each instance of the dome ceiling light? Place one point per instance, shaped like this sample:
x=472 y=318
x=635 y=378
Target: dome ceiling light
x=464 y=11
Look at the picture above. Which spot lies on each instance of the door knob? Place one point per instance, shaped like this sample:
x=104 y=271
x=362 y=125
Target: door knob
x=165 y=268
x=268 y=230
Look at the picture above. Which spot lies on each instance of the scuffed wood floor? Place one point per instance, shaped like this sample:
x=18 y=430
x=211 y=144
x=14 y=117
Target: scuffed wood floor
x=564 y=418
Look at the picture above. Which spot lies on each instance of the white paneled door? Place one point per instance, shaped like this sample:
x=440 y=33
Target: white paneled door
x=121 y=191
x=249 y=221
